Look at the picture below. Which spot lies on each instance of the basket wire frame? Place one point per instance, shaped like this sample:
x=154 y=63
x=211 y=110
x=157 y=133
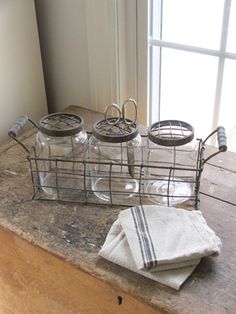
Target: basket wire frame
x=146 y=170
x=86 y=194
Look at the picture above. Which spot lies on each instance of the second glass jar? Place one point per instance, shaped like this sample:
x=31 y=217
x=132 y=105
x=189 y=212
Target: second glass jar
x=114 y=150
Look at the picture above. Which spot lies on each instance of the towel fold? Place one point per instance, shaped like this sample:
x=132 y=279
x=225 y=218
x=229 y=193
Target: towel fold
x=116 y=249
x=167 y=235
x=162 y=243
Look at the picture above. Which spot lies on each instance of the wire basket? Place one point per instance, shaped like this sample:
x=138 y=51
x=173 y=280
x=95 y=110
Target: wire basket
x=71 y=169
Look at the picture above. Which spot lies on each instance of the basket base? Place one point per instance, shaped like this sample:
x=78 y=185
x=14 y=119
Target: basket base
x=64 y=187
x=179 y=192
x=120 y=189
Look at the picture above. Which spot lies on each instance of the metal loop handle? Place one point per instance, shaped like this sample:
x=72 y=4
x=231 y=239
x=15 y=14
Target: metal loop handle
x=117 y=120
x=129 y=122
x=221 y=138
x=17 y=126
x=121 y=113
x=222 y=144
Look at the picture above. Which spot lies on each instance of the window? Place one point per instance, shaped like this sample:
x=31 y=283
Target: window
x=192 y=63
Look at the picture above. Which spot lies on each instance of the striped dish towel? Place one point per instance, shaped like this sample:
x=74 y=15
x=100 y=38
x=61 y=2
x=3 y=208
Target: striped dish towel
x=162 y=243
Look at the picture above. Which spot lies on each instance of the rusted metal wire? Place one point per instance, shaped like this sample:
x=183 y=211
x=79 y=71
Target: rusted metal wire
x=143 y=172
x=86 y=195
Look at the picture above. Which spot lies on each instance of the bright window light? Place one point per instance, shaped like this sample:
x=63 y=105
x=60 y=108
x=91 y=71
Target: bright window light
x=192 y=63
x=193 y=22
x=184 y=86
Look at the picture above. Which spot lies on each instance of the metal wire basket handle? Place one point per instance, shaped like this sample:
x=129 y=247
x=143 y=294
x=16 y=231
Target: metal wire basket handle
x=16 y=128
x=221 y=139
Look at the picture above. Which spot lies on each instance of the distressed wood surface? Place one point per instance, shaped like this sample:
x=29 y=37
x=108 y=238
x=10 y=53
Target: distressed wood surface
x=75 y=233
x=34 y=281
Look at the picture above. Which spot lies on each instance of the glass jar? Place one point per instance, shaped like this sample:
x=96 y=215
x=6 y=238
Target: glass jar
x=173 y=163
x=61 y=145
x=115 y=147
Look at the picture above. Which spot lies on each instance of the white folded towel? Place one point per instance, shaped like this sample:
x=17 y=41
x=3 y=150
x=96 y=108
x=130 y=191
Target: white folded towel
x=116 y=249
x=166 y=235
x=162 y=243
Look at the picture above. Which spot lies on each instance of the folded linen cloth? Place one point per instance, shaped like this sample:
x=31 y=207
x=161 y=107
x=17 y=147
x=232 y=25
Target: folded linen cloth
x=166 y=235
x=116 y=249
x=162 y=243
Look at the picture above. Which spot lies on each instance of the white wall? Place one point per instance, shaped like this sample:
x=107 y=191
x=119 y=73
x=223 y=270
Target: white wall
x=22 y=88
x=89 y=50
x=63 y=38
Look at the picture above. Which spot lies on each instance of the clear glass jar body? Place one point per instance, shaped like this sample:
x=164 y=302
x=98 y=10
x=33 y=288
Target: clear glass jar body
x=172 y=173
x=114 y=177
x=60 y=164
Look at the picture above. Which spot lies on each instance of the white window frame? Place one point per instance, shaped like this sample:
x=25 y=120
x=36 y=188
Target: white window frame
x=142 y=60
x=222 y=55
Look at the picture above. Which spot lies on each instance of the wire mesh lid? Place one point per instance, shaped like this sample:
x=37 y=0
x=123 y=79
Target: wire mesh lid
x=113 y=131
x=117 y=129
x=171 y=133
x=61 y=124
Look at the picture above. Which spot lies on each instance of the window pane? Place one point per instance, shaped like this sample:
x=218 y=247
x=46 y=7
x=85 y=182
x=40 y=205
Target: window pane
x=231 y=44
x=228 y=103
x=188 y=88
x=190 y=22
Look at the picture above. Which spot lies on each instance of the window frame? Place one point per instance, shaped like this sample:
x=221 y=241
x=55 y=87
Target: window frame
x=221 y=54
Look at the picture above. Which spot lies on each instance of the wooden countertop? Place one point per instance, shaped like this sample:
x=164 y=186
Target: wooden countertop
x=76 y=232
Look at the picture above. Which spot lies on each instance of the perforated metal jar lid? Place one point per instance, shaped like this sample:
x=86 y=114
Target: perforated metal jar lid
x=61 y=124
x=108 y=130
x=171 y=133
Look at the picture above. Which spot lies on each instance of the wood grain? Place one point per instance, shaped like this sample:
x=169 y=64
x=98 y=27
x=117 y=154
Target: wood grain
x=34 y=281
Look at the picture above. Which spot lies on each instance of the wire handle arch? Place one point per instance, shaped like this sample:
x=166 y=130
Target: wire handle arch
x=121 y=115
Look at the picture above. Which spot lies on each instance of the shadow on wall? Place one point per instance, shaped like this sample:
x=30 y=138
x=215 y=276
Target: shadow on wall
x=22 y=88
x=78 y=52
